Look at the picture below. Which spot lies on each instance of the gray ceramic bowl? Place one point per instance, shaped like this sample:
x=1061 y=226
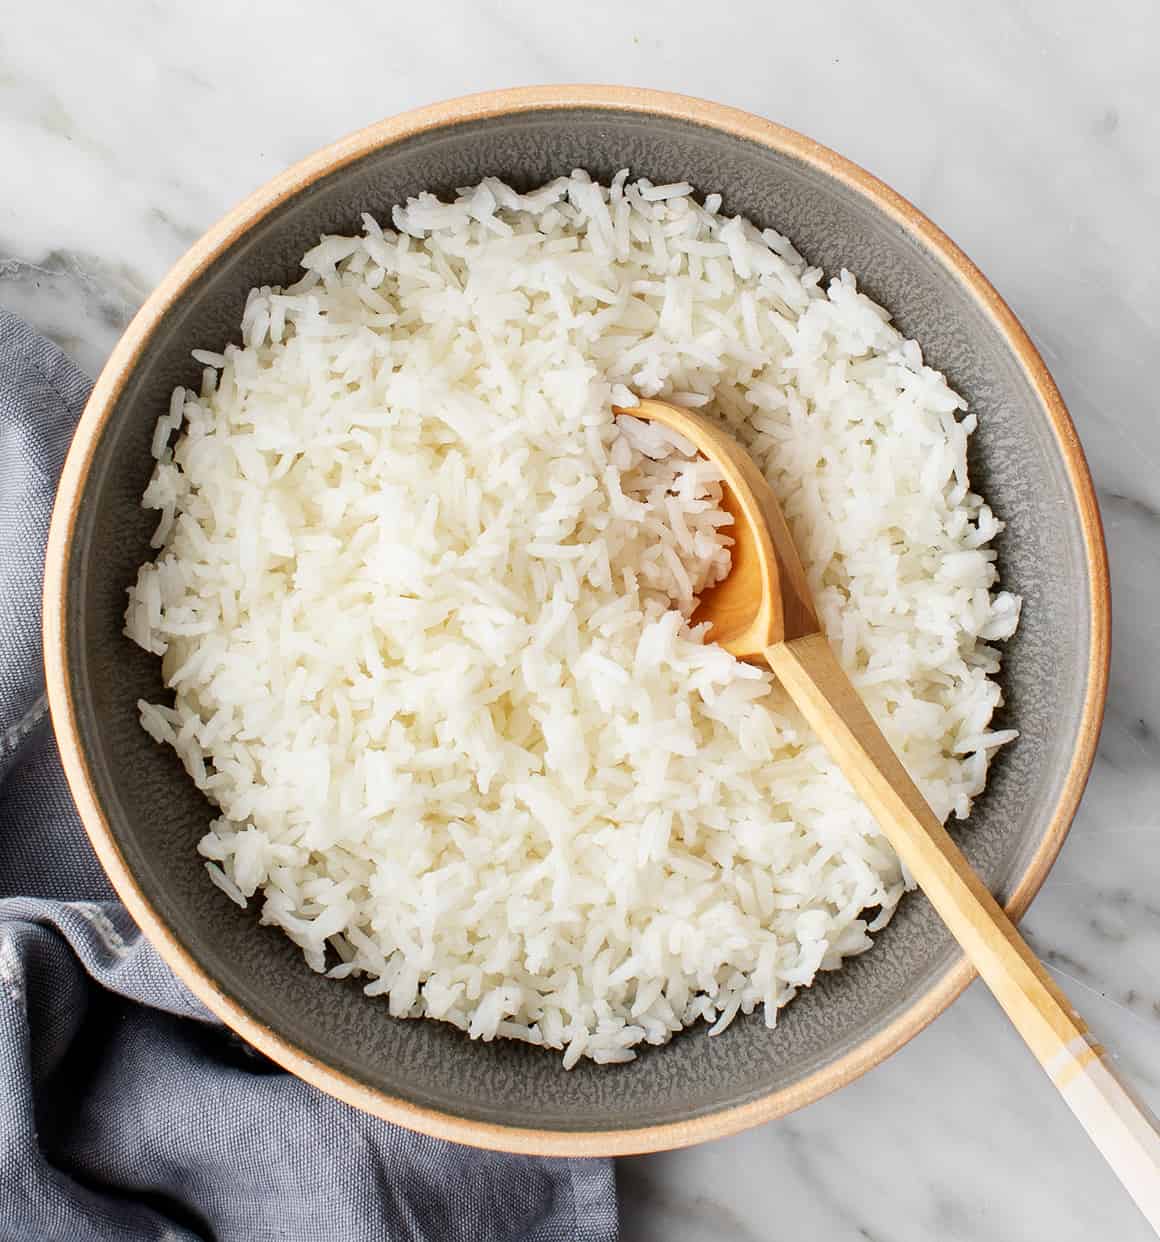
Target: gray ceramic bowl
x=144 y=816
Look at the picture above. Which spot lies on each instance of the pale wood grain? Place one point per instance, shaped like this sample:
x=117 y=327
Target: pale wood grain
x=764 y=610
x=1121 y=1126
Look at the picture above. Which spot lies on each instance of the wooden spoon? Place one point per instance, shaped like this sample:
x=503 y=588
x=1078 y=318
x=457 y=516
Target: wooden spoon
x=763 y=611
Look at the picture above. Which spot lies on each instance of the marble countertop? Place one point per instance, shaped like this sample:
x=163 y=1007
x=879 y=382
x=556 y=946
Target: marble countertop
x=1030 y=133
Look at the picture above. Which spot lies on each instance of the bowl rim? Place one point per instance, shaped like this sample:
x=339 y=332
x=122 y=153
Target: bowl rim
x=449 y=113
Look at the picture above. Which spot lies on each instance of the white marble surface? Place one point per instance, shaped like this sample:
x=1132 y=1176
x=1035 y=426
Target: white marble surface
x=1028 y=131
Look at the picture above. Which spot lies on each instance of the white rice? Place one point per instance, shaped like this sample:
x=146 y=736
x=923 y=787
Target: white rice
x=423 y=606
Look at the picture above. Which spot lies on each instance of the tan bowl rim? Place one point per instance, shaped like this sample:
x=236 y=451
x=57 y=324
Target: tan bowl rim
x=533 y=99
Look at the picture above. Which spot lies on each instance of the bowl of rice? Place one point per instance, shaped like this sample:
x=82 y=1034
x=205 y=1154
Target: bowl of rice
x=369 y=629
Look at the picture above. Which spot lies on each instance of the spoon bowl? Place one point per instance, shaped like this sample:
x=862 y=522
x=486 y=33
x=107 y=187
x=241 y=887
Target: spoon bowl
x=765 y=598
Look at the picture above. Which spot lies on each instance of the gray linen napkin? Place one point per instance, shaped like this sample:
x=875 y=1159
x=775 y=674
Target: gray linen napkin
x=126 y=1110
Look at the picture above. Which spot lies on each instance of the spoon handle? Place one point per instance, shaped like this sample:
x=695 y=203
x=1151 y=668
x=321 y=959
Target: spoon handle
x=1119 y=1124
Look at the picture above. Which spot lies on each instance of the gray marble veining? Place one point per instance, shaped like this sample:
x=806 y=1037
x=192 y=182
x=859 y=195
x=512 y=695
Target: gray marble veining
x=1029 y=133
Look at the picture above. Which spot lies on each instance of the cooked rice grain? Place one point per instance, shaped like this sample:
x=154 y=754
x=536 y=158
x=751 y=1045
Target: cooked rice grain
x=423 y=607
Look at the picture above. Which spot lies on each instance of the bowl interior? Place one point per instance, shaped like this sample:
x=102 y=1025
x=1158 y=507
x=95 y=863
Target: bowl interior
x=156 y=816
